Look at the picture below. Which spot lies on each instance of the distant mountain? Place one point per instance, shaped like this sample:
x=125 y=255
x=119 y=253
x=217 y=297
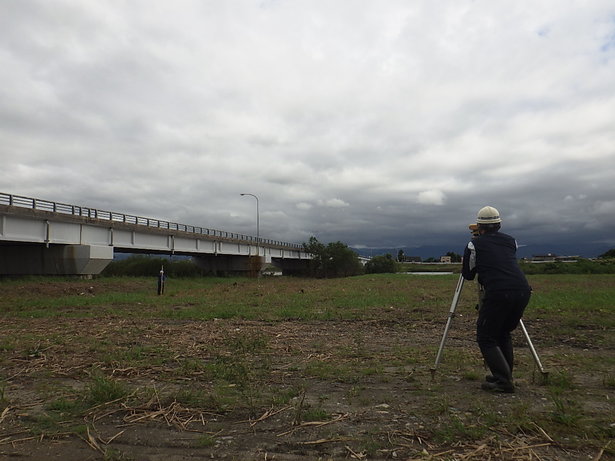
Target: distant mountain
x=585 y=250
x=424 y=252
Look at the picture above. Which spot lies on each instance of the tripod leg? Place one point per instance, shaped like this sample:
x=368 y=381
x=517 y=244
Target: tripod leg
x=545 y=374
x=451 y=314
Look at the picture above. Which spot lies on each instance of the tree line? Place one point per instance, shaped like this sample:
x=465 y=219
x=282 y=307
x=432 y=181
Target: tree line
x=336 y=259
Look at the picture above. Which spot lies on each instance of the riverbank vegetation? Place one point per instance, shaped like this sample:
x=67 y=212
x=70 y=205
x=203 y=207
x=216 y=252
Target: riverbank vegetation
x=144 y=266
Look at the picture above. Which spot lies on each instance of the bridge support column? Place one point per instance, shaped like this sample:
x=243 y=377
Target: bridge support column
x=231 y=264
x=36 y=259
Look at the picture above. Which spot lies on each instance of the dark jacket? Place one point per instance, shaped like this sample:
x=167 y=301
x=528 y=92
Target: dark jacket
x=493 y=256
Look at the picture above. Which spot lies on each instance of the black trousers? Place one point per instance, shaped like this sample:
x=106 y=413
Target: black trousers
x=499 y=314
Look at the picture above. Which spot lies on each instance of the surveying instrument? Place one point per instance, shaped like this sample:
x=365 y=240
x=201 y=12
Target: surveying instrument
x=451 y=314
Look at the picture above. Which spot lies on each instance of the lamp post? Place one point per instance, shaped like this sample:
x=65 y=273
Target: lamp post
x=257 y=223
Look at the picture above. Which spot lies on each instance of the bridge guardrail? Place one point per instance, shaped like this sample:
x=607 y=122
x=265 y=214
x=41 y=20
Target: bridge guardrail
x=76 y=210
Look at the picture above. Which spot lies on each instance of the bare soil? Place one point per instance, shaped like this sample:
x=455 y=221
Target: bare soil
x=311 y=390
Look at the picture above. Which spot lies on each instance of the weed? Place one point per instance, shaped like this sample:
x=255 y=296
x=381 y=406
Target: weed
x=609 y=381
x=315 y=414
x=561 y=381
x=7 y=345
x=248 y=343
x=285 y=396
x=51 y=423
x=300 y=408
x=440 y=405
x=566 y=412
x=226 y=396
x=112 y=454
x=195 y=398
x=325 y=370
x=230 y=369
x=205 y=441
x=487 y=416
x=376 y=369
x=103 y=390
x=522 y=418
x=471 y=375
x=190 y=366
x=3 y=400
x=353 y=393
x=34 y=352
x=371 y=443
x=241 y=374
x=454 y=429
x=130 y=356
x=65 y=406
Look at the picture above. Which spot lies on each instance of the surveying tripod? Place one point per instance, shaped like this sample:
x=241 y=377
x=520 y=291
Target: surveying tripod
x=451 y=314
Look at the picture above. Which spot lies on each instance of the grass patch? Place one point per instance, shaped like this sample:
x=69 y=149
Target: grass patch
x=64 y=406
x=283 y=396
x=576 y=299
x=327 y=370
x=315 y=414
x=3 y=399
x=103 y=390
x=205 y=441
x=561 y=381
x=250 y=343
x=197 y=398
x=455 y=429
x=566 y=412
x=112 y=454
x=135 y=355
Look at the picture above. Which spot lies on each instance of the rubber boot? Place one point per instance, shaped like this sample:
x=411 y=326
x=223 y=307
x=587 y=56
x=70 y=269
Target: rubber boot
x=507 y=349
x=499 y=369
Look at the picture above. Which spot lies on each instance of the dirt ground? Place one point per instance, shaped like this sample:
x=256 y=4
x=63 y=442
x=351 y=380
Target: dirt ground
x=312 y=390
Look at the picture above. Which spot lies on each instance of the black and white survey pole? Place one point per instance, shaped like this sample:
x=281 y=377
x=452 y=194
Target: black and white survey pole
x=161 y=281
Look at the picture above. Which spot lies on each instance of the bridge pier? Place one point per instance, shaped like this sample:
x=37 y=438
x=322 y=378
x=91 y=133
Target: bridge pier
x=40 y=259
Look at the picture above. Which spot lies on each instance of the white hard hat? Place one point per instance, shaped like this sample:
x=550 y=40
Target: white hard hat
x=488 y=215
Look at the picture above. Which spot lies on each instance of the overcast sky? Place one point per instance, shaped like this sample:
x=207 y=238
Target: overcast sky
x=377 y=123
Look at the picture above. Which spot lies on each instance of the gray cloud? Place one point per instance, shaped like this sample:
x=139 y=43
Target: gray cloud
x=378 y=124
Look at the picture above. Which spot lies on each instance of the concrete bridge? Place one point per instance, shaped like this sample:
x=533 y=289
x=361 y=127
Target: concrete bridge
x=43 y=237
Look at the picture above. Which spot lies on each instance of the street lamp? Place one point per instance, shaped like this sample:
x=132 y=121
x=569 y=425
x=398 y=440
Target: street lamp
x=257 y=223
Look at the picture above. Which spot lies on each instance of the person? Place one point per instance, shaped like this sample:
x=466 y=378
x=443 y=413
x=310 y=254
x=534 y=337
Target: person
x=492 y=255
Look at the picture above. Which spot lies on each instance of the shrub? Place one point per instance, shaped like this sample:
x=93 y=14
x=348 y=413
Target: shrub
x=332 y=260
x=610 y=254
x=381 y=265
x=581 y=266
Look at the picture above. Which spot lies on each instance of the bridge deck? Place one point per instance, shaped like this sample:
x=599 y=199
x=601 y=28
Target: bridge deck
x=29 y=225
x=45 y=209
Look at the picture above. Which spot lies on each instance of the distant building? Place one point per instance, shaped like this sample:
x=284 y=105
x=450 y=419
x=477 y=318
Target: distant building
x=411 y=259
x=363 y=260
x=446 y=259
